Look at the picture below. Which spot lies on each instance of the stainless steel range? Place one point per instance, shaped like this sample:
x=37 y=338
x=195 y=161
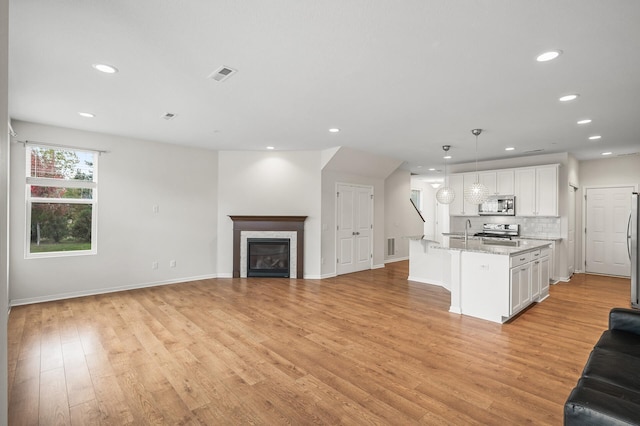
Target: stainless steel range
x=499 y=230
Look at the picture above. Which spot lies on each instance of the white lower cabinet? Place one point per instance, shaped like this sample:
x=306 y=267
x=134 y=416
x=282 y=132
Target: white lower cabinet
x=545 y=277
x=528 y=279
x=520 y=288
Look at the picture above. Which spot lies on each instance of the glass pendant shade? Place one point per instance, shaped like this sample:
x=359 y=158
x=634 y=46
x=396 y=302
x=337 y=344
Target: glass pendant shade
x=476 y=193
x=445 y=195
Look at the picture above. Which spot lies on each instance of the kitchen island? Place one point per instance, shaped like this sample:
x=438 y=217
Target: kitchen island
x=492 y=280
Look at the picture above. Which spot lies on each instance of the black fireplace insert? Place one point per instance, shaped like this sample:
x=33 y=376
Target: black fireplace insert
x=268 y=257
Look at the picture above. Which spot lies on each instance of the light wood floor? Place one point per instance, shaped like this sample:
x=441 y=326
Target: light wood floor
x=365 y=348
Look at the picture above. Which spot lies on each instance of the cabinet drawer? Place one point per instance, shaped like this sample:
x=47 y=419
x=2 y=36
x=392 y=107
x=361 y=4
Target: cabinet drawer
x=536 y=254
x=519 y=259
x=545 y=252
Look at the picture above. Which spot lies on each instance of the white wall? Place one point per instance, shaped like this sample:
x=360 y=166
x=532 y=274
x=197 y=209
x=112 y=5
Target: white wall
x=269 y=183
x=4 y=200
x=602 y=172
x=133 y=176
x=429 y=208
x=400 y=218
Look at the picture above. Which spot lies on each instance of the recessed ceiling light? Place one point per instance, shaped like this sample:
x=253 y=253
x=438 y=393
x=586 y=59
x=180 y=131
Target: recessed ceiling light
x=271 y=147
x=509 y=148
x=86 y=114
x=548 y=56
x=585 y=121
x=334 y=130
x=447 y=157
x=105 y=68
x=432 y=169
x=607 y=153
x=595 y=137
x=567 y=98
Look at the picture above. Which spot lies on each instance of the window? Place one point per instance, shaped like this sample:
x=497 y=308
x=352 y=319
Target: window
x=416 y=197
x=61 y=195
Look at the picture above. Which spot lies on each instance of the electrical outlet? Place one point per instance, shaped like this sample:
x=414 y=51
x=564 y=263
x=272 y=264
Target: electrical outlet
x=156 y=208
x=172 y=264
x=154 y=264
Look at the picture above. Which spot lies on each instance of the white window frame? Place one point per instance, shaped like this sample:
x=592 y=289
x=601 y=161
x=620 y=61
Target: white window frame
x=61 y=183
x=419 y=192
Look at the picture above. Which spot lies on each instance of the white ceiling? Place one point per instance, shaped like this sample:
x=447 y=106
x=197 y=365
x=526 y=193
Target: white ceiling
x=399 y=79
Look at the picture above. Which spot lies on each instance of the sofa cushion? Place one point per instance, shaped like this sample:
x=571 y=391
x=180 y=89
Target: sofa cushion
x=620 y=341
x=594 y=402
x=613 y=367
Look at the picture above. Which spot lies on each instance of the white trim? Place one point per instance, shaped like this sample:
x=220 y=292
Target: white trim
x=379 y=266
x=329 y=275
x=74 y=294
x=398 y=259
x=312 y=277
x=224 y=275
x=423 y=281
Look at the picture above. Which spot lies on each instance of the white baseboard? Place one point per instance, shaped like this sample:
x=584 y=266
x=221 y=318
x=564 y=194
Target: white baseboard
x=71 y=295
x=423 y=281
x=377 y=266
x=225 y=275
x=397 y=259
x=312 y=277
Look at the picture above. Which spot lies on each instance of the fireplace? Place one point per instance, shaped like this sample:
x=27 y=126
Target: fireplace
x=290 y=227
x=268 y=257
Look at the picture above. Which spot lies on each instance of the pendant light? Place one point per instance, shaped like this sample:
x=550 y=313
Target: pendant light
x=476 y=193
x=445 y=195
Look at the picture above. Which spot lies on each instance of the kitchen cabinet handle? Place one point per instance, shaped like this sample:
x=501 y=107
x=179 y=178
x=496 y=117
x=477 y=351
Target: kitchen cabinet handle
x=522 y=258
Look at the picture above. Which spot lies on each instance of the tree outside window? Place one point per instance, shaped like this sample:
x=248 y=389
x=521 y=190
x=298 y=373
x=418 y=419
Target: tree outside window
x=61 y=201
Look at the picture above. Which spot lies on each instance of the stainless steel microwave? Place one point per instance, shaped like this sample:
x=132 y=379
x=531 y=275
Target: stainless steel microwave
x=498 y=205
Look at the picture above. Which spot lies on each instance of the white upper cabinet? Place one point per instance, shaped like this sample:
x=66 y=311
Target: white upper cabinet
x=488 y=179
x=505 y=182
x=535 y=188
x=498 y=182
x=459 y=206
x=536 y=191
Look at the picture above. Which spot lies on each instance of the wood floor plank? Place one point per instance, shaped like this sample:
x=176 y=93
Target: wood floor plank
x=54 y=404
x=364 y=348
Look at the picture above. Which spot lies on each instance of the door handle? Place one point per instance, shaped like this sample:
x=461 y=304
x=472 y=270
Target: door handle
x=355 y=233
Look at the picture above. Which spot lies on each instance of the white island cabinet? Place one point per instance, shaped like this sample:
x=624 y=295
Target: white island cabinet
x=486 y=280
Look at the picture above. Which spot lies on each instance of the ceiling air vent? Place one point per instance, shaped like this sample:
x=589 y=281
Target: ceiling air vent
x=168 y=116
x=533 y=151
x=222 y=73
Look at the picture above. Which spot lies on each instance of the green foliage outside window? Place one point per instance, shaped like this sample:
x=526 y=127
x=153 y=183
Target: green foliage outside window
x=61 y=200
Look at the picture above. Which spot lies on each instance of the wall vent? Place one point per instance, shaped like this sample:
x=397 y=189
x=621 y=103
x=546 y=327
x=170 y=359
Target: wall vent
x=222 y=73
x=169 y=116
x=391 y=246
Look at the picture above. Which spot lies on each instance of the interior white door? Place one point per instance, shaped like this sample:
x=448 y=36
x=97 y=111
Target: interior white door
x=571 y=232
x=355 y=229
x=607 y=210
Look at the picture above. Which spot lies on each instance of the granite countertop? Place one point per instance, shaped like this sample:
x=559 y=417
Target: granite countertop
x=519 y=237
x=493 y=247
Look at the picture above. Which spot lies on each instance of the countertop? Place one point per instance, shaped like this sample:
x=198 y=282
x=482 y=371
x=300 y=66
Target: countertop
x=520 y=237
x=493 y=247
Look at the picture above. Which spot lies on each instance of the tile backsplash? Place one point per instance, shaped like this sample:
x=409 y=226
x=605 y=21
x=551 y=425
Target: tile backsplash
x=529 y=226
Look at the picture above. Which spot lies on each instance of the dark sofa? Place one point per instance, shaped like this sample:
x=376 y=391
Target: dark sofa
x=608 y=392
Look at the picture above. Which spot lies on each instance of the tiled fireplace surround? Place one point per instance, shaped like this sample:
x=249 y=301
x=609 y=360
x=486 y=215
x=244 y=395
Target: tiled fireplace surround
x=291 y=227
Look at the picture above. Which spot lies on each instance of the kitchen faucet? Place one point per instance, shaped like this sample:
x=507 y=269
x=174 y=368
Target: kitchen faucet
x=467 y=226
